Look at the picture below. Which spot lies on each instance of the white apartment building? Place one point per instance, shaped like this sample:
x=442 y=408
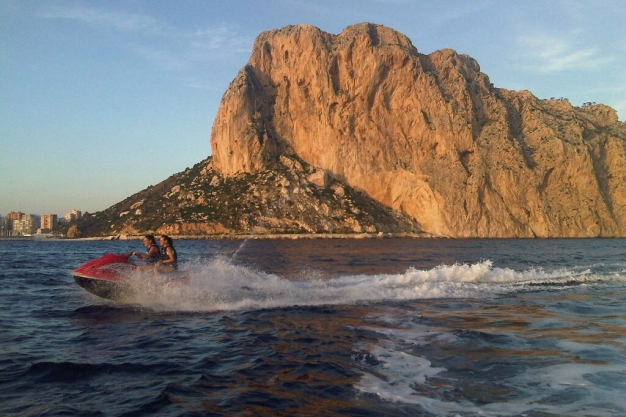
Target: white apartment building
x=26 y=226
x=73 y=215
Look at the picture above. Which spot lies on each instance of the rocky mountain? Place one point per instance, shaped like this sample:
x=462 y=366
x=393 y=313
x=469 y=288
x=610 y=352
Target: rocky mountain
x=287 y=197
x=360 y=133
x=425 y=135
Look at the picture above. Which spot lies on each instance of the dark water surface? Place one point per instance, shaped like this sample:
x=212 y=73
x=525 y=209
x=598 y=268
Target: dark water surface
x=383 y=327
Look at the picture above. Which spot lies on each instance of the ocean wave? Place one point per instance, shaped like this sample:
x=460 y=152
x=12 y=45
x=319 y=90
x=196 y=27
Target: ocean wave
x=71 y=372
x=221 y=285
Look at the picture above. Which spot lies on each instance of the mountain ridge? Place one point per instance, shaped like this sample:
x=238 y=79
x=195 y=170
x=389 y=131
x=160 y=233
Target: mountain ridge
x=420 y=144
x=427 y=135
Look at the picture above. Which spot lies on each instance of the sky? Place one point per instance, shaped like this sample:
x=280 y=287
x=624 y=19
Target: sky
x=101 y=99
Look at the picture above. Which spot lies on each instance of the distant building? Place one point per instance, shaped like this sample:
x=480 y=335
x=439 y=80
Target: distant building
x=48 y=222
x=15 y=215
x=26 y=226
x=6 y=227
x=73 y=215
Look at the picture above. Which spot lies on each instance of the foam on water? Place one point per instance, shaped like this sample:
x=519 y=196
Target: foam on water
x=575 y=379
x=219 y=284
x=566 y=389
x=395 y=370
x=467 y=339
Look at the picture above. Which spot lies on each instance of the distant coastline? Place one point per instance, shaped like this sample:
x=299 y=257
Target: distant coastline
x=244 y=236
x=285 y=236
x=33 y=237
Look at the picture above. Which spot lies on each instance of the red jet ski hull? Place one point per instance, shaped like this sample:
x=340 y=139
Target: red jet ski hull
x=103 y=288
x=109 y=277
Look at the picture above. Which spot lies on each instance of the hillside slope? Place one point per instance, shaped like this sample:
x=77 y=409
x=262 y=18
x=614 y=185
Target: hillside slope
x=289 y=197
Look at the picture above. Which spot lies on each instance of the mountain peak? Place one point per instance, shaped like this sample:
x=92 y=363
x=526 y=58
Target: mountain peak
x=428 y=135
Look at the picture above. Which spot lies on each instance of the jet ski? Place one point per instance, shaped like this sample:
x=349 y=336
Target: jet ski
x=112 y=276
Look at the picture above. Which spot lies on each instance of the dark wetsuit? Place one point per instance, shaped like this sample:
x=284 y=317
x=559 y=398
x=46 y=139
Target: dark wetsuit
x=165 y=256
x=155 y=257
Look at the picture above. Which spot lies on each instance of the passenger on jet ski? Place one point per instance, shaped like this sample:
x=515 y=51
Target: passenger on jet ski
x=152 y=256
x=169 y=258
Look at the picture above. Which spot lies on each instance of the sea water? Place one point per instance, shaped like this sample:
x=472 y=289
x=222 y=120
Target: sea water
x=327 y=327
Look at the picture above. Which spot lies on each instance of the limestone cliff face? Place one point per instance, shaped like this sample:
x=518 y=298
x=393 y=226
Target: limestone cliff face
x=428 y=135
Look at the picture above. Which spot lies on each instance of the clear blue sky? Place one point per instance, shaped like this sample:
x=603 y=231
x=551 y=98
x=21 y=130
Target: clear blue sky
x=100 y=99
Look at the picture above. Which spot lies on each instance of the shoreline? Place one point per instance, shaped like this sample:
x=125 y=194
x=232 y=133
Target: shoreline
x=285 y=236
x=272 y=236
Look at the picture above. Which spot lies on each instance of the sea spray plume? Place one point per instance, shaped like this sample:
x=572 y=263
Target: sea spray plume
x=241 y=246
x=218 y=284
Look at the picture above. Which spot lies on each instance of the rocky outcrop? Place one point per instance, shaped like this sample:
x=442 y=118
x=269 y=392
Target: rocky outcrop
x=290 y=197
x=426 y=135
x=73 y=232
